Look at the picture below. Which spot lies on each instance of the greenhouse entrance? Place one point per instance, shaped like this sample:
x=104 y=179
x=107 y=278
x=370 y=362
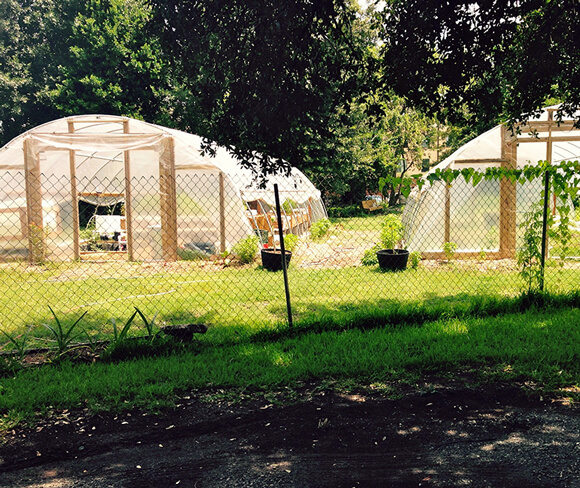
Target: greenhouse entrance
x=103 y=226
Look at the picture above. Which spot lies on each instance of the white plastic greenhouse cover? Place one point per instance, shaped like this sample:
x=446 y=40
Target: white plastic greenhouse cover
x=100 y=145
x=475 y=211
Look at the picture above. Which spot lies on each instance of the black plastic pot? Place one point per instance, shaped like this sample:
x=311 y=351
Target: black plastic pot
x=272 y=259
x=393 y=259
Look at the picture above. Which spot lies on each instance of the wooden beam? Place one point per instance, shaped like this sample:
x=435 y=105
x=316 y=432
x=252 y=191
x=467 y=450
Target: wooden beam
x=548 y=138
x=95 y=120
x=168 y=194
x=507 y=192
x=128 y=197
x=74 y=198
x=100 y=194
x=35 y=224
x=546 y=125
x=447 y=224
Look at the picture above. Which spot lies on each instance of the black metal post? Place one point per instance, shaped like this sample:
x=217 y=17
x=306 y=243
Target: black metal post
x=544 y=227
x=283 y=254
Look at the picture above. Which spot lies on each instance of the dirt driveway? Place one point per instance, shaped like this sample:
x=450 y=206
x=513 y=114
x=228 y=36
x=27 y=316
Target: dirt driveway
x=490 y=436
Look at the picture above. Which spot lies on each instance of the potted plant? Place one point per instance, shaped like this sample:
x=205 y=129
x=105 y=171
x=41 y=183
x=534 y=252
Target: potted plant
x=272 y=259
x=390 y=258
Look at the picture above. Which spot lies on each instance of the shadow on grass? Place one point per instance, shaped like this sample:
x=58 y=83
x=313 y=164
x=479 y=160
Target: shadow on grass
x=380 y=313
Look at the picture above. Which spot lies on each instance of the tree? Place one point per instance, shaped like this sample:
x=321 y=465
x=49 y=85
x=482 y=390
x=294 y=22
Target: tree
x=30 y=35
x=264 y=77
x=113 y=63
x=478 y=62
x=66 y=57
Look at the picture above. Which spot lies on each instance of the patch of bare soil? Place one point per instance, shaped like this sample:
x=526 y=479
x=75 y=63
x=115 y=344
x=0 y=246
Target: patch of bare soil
x=441 y=435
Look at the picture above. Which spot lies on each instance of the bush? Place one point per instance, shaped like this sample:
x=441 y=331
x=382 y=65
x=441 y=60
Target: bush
x=370 y=256
x=391 y=231
x=289 y=205
x=346 y=211
x=414 y=259
x=246 y=249
x=319 y=229
x=290 y=242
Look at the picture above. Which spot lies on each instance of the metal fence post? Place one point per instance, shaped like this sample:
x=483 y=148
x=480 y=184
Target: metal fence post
x=283 y=253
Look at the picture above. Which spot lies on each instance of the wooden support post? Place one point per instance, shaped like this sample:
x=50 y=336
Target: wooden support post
x=35 y=224
x=168 y=194
x=447 y=236
x=507 y=196
x=74 y=198
x=128 y=202
x=222 y=213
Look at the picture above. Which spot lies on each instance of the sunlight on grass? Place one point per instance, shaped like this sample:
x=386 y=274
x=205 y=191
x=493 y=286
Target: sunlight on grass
x=542 y=347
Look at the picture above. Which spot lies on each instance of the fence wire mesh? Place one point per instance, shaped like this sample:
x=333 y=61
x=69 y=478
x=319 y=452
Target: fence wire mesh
x=200 y=260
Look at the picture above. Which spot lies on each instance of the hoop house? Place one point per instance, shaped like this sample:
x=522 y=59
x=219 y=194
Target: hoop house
x=175 y=198
x=486 y=217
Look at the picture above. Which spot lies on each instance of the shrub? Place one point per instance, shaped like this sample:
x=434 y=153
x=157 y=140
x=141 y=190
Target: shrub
x=319 y=229
x=346 y=211
x=289 y=205
x=370 y=256
x=449 y=249
x=290 y=242
x=246 y=249
x=414 y=259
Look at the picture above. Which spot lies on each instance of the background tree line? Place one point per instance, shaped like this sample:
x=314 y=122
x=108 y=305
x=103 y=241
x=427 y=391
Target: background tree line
x=342 y=94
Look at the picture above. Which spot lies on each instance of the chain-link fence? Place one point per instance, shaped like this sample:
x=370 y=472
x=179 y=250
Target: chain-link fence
x=107 y=252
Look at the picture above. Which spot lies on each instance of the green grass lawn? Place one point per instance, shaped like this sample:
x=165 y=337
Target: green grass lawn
x=233 y=298
x=352 y=323
x=537 y=346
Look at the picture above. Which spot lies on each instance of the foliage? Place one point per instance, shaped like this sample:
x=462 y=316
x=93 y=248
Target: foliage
x=269 y=91
x=149 y=324
x=290 y=242
x=62 y=336
x=319 y=229
x=29 y=35
x=346 y=211
x=449 y=249
x=19 y=342
x=289 y=205
x=529 y=256
x=475 y=62
x=370 y=256
x=414 y=259
x=384 y=139
x=246 y=249
x=392 y=230
x=112 y=66
x=67 y=57
x=187 y=254
x=122 y=335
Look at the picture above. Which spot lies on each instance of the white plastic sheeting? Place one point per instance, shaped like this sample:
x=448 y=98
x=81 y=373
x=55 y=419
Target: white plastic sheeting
x=109 y=151
x=475 y=211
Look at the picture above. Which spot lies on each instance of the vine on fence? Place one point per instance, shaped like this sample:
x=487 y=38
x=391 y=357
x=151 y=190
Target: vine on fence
x=565 y=184
x=565 y=176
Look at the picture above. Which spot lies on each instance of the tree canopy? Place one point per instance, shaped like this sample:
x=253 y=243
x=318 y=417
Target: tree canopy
x=478 y=62
x=265 y=76
x=64 y=57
